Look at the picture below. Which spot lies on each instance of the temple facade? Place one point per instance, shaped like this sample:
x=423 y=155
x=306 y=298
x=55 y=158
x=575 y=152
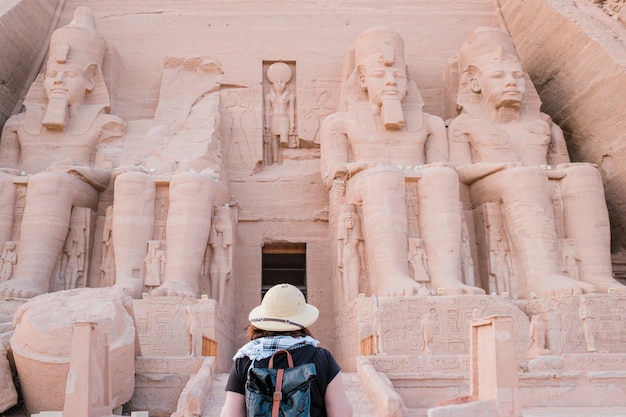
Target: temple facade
x=431 y=174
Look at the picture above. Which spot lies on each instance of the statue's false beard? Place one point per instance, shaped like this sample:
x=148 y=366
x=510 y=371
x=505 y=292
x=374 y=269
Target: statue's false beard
x=392 y=114
x=56 y=115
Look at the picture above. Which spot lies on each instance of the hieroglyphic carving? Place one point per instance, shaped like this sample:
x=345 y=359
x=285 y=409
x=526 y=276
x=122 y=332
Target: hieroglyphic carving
x=238 y=121
x=421 y=363
x=163 y=328
x=161 y=208
x=20 y=203
x=317 y=100
x=8 y=259
x=567 y=332
x=107 y=265
x=412 y=208
x=557 y=204
x=398 y=322
x=595 y=362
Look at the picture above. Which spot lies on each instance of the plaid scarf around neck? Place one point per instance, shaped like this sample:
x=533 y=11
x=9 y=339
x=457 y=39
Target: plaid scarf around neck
x=264 y=347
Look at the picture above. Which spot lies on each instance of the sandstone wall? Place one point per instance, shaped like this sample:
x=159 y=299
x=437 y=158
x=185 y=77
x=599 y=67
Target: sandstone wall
x=24 y=31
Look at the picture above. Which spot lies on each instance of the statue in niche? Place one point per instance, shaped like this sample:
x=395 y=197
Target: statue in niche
x=8 y=259
x=570 y=259
x=350 y=253
x=428 y=328
x=155 y=264
x=187 y=156
x=316 y=115
x=280 y=124
x=73 y=260
x=107 y=265
x=537 y=332
x=418 y=260
x=54 y=142
x=505 y=149
x=381 y=129
x=221 y=244
x=588 y=328
x=500 y=265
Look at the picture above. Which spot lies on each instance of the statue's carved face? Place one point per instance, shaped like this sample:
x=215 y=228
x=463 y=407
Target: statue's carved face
x=382 y=81
x=279 y=86
x=67 y=81
x=349 y=222
x=501 y=83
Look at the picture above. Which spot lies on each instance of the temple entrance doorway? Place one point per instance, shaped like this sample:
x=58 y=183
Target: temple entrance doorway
x=284 y=263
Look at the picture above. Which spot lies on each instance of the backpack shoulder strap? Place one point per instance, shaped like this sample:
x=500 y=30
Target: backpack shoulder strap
x=278 y=391
x=278 y=394
x=286 y=352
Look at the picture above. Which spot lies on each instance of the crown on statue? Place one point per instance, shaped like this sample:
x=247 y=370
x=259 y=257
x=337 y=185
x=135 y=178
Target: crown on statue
x=487 y=42
x=279 y=71
x=380 y=41
x=78 y=43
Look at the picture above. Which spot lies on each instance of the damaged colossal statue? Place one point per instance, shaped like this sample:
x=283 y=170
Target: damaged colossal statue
x=185 y=162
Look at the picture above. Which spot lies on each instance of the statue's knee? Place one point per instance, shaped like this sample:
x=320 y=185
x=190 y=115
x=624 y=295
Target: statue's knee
x=442 y=178
x=189 y=183
x=49 y=183
x=134 y=183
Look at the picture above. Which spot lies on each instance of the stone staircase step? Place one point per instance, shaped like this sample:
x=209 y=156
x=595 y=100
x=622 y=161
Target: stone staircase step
x=358 y=396
x=575 y=412
x=216 y=397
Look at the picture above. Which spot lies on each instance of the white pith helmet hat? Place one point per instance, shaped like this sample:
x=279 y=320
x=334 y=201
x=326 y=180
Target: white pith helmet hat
x=283 y=309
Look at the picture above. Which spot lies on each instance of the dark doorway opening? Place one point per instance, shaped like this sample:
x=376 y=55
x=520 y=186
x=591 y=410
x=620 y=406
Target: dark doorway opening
x=284 y=263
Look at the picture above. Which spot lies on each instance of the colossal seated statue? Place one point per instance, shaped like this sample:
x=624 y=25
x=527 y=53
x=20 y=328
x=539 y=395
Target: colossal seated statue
x=53 y=144
x=382 y=144
x=180 y=149
x=515 y=158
